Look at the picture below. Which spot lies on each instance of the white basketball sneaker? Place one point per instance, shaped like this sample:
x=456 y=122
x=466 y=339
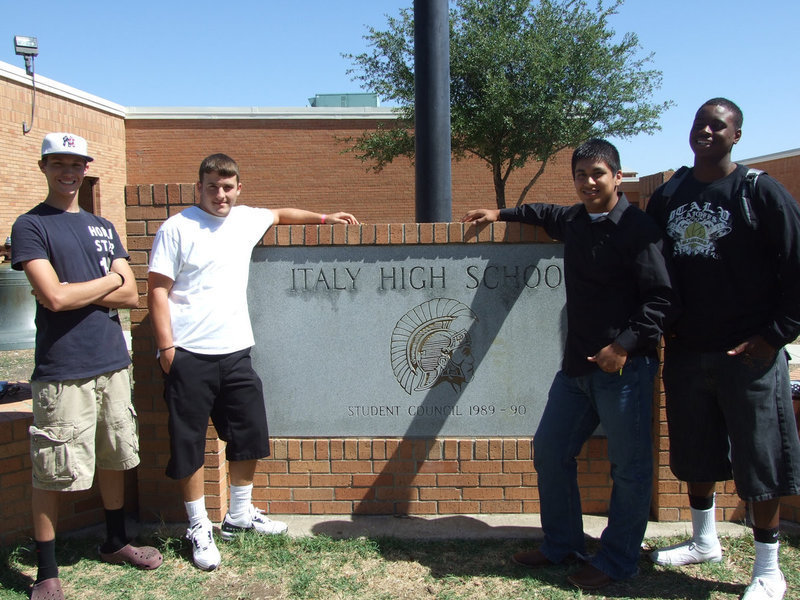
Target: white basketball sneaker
x=205 y=554
x=686 y=553
x=765 y=589
x=258 y=522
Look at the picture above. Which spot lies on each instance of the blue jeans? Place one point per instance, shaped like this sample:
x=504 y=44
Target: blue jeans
x=575 y=406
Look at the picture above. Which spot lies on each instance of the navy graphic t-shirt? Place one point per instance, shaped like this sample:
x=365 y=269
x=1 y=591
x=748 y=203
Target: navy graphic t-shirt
x=735 y=281
x=85 y=342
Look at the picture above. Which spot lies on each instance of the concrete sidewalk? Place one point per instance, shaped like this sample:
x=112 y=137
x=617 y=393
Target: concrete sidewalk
x=427 y=528
x=465 y=526
x=478 y=526
x=445 y=527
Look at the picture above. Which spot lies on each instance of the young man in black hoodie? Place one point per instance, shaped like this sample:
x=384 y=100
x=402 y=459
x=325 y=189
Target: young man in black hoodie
x=736 y=259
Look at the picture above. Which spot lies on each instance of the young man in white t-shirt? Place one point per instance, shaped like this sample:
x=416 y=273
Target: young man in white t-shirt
x=198 y=306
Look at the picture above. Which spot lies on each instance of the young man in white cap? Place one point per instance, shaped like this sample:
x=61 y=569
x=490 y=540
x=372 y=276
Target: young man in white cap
x=83 y=416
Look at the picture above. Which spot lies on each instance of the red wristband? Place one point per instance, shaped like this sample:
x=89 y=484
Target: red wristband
x=322 y=221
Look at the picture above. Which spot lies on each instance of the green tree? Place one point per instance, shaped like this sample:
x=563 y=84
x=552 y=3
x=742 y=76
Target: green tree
x=528 y=79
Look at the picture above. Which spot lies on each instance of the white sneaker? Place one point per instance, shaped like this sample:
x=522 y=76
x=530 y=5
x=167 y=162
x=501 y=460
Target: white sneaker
x=258 y=522
x=765 y=589
x=204 y=551
x=686 y=553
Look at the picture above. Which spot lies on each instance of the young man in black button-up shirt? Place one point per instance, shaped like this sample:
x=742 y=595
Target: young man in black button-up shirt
x=619 y=296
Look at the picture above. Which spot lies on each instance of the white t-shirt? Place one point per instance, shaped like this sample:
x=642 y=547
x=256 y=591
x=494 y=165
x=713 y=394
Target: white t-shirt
x=208 y=258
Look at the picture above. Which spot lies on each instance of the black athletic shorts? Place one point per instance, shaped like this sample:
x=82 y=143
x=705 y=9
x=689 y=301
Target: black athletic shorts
x=225 y=388
x=730 y=417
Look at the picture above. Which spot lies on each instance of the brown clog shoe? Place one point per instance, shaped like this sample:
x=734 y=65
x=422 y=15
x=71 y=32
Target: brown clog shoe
x=47 y=589
x=144 y=557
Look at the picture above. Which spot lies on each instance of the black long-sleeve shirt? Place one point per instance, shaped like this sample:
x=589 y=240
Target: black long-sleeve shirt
x=617 y=282
x=735 y=281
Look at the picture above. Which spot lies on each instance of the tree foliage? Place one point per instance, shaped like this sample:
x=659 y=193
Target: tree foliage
x=528 y=79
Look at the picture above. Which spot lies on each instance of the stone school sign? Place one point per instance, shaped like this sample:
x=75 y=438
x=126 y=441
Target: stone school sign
x=407 y=341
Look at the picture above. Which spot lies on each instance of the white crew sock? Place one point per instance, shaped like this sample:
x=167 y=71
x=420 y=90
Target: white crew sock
x=704 y=528
x=196 y=510
x=241 y=499
x=766 y=564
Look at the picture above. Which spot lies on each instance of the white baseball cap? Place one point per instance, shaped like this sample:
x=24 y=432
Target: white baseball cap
x=65 y=143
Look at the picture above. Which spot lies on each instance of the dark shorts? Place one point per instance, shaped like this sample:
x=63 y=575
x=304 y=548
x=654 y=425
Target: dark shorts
x=730 y=418
x=225 y=388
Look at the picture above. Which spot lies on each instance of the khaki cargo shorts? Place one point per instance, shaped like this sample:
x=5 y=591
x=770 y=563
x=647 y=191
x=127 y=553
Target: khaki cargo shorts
x=78 y=425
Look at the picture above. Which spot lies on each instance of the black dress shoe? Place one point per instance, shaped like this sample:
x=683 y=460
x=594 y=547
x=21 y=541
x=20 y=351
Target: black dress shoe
x=589 y=577
x=532 y=559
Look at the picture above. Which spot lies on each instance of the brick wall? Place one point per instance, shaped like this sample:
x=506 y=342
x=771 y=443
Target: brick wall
x=332 y=475
x=367 y=475
x=301 y=162
x=58 y=108
x=341 y=475
x=15 y=471
x=785 y=167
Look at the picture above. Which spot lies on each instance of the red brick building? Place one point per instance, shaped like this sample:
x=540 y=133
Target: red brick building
x=292 y=157
x=299 y=156
x=58 y=108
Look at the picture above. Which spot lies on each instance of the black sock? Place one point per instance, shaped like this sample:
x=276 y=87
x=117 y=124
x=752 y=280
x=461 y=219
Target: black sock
x=701 y=502
x=765 y=536
x=116 y=537
x=46 y=560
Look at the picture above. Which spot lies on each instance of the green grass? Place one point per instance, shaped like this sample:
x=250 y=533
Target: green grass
x=258 y=568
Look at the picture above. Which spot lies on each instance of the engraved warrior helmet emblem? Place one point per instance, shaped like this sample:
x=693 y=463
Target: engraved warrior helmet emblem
x=431 y=344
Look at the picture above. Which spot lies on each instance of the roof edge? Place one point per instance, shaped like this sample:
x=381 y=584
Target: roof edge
x=56 y=88
x=774 y=156
x=258 y=112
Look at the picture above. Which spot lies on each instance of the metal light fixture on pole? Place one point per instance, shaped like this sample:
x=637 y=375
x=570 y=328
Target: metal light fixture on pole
x=28 y=47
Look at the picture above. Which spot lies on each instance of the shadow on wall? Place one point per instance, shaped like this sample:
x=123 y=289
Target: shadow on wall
x=447 y=343
x=420 y=528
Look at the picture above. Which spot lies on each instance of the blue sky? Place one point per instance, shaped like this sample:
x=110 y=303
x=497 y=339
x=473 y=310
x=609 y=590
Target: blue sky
x=281 y=52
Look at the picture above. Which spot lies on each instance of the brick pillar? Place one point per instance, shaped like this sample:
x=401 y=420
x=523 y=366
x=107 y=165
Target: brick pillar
x=146 y=208
x=366 y=475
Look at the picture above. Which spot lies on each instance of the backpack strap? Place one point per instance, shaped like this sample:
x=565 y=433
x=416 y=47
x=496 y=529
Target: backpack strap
x=747 y=192
x=677 y=178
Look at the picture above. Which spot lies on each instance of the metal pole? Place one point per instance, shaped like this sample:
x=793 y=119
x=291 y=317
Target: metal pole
x=432 y=111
